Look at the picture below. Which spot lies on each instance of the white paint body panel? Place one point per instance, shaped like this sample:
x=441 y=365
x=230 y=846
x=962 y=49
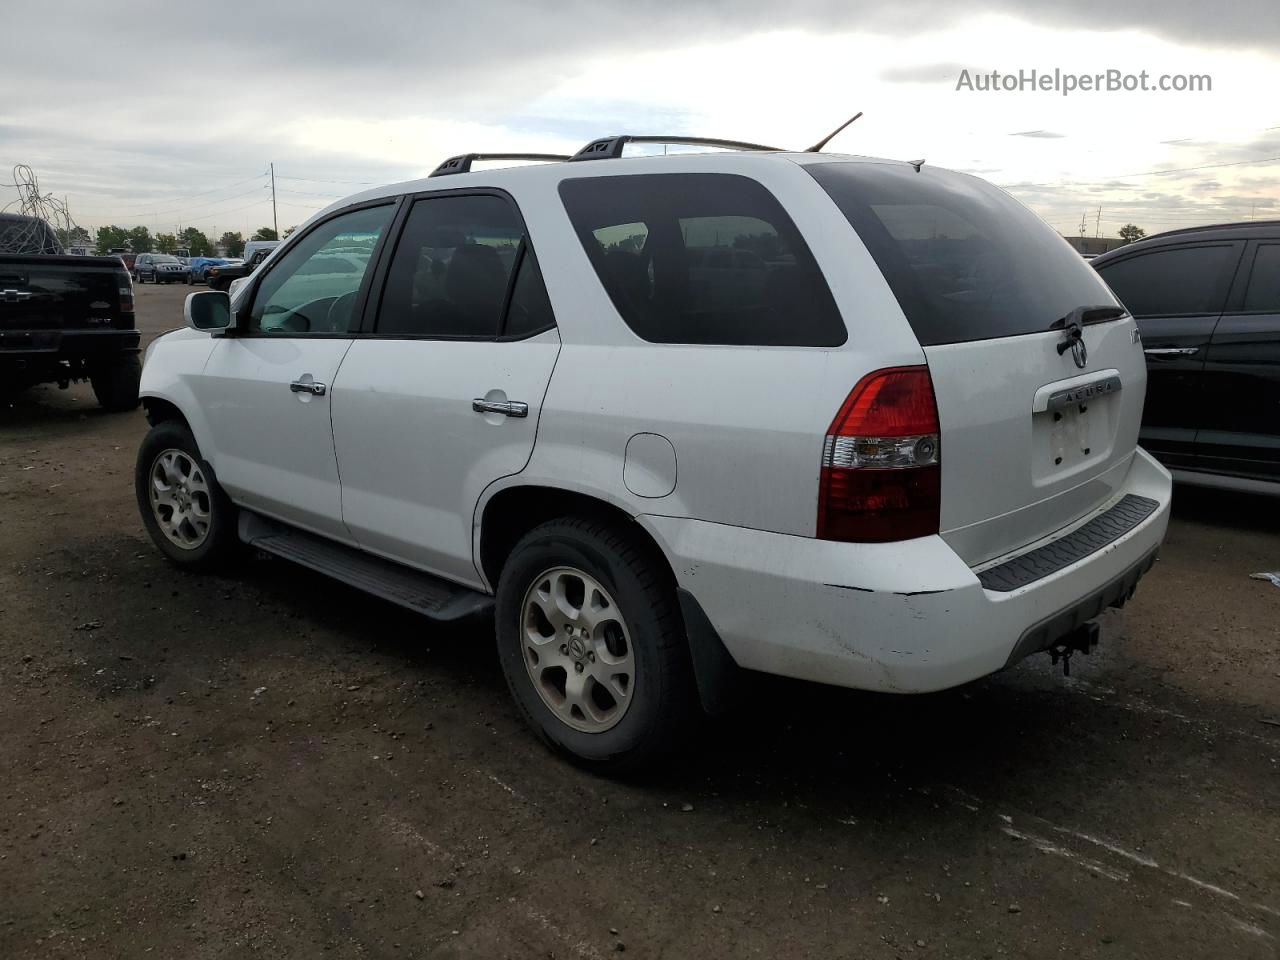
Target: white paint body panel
x=1001 y=486
x=393 y=459
x=906 y=617
x=414 y=457
x=273 y=448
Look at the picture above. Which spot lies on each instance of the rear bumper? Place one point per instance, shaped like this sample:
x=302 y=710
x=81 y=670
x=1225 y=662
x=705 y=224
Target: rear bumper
x=19 y=346
x=906 y=617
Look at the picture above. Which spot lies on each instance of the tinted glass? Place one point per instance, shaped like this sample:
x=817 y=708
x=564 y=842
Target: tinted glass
x=451 y=268
x=530 y=309
x=964 y=259
x=1187 y=280
x=702 y=258
x=312 y=288
x=1263 y=295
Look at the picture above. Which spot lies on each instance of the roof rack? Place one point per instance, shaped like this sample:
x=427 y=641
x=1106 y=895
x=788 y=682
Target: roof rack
x=462 y=162
x=610 y=148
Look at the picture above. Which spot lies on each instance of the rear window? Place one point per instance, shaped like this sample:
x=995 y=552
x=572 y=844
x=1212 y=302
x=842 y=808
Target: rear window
x=26 y=235
x=702 y=258
x=1177 y=280
x=964 y=259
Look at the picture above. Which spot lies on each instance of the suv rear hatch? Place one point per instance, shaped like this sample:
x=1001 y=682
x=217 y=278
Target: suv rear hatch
x=1037 y=431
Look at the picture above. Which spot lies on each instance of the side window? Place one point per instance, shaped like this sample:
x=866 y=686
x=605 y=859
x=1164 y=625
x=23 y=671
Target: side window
x=1182 y=280
x=530 y=309
x=313 y=287
x=702 y=258
x=1263 y=294
x=451 y=269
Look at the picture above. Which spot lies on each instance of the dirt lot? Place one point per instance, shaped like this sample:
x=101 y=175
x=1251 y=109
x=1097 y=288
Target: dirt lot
x=272 y=765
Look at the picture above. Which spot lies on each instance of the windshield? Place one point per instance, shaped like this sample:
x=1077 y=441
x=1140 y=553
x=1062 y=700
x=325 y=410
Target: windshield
x=159 y=259
x=965 y=260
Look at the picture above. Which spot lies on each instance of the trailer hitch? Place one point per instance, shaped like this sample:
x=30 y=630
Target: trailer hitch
x=1080 y=640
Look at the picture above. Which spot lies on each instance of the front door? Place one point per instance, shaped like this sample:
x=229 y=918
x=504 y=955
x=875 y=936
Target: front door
x=442 y=397
x=268 y=386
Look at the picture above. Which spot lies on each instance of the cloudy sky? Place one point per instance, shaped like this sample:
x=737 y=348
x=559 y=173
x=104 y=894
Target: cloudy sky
x=168 y=115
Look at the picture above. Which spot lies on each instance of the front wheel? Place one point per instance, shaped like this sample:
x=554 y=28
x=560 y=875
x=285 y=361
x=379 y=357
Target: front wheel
x=115 y=383
x=592 y=644
x=186 y=513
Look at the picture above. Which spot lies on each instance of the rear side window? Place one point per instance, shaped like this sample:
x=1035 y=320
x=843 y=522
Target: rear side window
x=702 y=258
x=964 y=259
x=1263 y=295
x=1179 y=280
x=452 y=269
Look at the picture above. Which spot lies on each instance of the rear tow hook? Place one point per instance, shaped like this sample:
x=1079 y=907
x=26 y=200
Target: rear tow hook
x=1082 y=639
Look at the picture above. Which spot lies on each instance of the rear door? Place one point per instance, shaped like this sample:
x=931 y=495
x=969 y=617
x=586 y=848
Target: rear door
x=267 y=390
x=1036 y=433
x=443 y=395
x=1177 y=294
x=1240 y=425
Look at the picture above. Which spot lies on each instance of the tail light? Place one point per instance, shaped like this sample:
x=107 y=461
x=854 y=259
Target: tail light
x=124 y=288
x=881 y=478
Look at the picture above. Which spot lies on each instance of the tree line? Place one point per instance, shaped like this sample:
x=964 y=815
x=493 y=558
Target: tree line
x=141 y=240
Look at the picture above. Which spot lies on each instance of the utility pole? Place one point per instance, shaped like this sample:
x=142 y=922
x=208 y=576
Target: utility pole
x=1097 y=226
x=1082 y=222
x=275 y=222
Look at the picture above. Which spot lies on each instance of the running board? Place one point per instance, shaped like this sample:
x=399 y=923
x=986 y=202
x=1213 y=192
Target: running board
x=421 y=592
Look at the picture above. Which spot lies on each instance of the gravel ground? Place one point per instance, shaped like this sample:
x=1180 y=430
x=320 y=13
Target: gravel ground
x=270 y=764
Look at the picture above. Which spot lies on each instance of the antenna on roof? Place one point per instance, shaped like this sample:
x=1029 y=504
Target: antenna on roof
x=817 y=147
x=917 y=164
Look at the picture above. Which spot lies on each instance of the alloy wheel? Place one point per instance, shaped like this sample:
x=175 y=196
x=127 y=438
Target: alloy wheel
x=577 y=649
x=180 y=498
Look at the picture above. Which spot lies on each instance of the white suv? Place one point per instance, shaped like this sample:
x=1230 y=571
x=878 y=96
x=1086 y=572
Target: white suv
x=672 y=419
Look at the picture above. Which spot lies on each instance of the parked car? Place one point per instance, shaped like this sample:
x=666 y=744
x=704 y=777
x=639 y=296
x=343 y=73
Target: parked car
x=1207 y=301
x=127 y=257
x=221 y=276
x=159 y=268
x=199 y=267
x=898 y=453
x=64 y=318
x=252 y=248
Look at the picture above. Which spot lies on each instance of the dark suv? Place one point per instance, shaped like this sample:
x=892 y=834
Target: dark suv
x=1207 y=301
x=159 y=268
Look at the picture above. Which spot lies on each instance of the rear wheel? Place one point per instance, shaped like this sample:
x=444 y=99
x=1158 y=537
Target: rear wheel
x=187 y=515
x=115 y=383
x=592 y=644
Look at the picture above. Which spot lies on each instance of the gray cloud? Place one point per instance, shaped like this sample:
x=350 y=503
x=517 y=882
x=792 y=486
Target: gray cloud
x=117 y=70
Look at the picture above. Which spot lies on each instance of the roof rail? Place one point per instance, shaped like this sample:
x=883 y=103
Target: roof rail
x=610 y=148
x=462 y=162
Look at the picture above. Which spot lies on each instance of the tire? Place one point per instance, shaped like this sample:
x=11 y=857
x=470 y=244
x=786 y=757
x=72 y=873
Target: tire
x=189 y=478
x=190 y=280
x=639 y=633
x=115 y=383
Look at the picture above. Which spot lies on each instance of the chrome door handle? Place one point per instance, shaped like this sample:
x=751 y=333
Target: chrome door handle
x=1171 y=351
x=508 y=408
x=314 y=387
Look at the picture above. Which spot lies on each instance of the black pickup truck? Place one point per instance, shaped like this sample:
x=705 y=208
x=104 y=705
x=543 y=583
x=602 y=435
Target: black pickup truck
x=64 y=318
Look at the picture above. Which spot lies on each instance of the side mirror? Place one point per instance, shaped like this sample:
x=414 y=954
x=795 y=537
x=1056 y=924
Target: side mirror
x=208 y=310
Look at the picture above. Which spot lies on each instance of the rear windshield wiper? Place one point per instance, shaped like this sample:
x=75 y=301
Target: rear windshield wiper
x=1089 y=314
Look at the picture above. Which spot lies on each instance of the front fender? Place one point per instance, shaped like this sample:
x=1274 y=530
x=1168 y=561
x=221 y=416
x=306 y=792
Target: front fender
x=173 y=361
